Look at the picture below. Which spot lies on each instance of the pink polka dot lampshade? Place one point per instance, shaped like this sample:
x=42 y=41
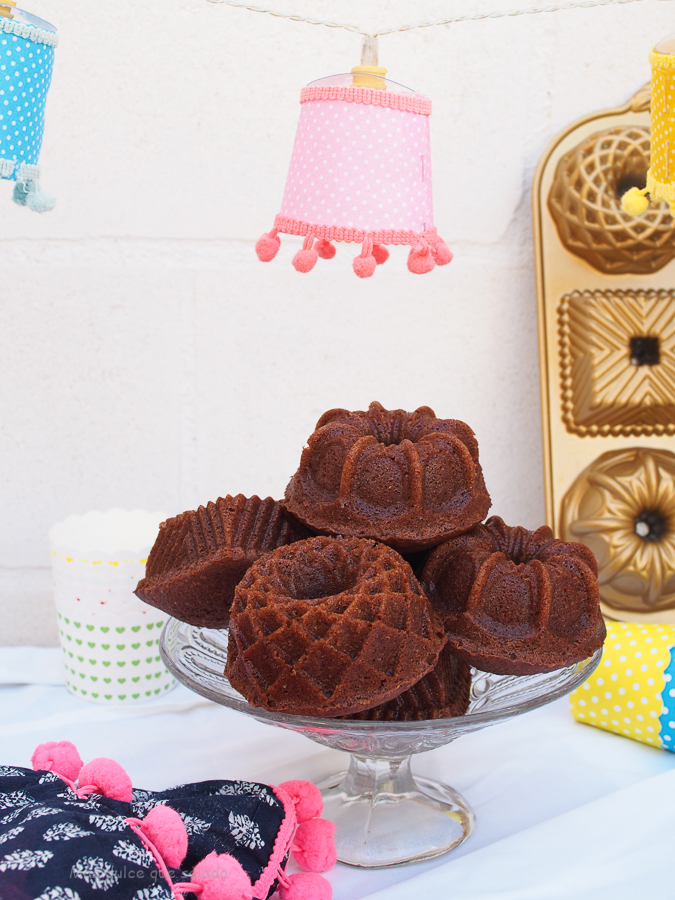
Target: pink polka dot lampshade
x=360 y=172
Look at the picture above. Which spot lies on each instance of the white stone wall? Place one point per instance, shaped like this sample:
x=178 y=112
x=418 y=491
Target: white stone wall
x=148 y=359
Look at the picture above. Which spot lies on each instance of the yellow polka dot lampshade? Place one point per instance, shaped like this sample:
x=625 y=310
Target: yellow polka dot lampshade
x=360 y=172
x=26 y=60
x=632 y=692
x=661 y=175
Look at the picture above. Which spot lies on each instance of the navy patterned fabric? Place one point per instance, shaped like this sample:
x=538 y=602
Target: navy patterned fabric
x=54 y=846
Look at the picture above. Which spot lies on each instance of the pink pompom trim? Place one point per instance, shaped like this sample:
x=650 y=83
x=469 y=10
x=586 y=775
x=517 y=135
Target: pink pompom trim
x=314 y=845
x=306 y=798
x=222 y=878
x=364 y=266
x=60 y=757
x=305 y=886
x=421 y=260
x=325 y=249
x=107 y=777
x=380 y=253
x=267 y=247
x=166 y=829
x=442 y=252
x=305 y=260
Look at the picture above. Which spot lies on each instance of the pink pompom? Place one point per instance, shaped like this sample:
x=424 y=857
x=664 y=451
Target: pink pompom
x=108 y=777
x=166 y=829
x=420 y=262
x=364 y=266
x=305 y=260
x=314 y=845
x=306 y=797
x=442 y=253
x=57 y=756
x=380 y=253
x=267 y=247
x=222 y=878
x=306 y=886
x=325 y=249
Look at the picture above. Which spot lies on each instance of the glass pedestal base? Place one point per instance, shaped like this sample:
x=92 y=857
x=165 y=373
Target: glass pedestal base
x=385 y=817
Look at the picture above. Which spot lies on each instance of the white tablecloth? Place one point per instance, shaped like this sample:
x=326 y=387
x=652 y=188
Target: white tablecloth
x=563 y=810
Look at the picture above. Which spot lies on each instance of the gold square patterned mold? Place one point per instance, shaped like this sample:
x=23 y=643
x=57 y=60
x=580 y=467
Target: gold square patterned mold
x=606 y=311
x=617 y=362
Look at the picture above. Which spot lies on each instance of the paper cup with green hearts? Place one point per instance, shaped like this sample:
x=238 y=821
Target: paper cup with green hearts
x=109 y=638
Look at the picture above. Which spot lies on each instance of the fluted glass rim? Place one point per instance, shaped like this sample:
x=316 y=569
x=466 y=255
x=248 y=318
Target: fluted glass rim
x=529 y=691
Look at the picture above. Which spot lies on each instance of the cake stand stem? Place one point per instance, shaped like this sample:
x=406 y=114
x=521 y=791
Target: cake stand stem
x=385 y=817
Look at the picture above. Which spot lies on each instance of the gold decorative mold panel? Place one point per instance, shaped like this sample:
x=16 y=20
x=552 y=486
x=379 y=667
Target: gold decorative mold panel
x=606 y=310
x=622 y=506
x=617 y=362
x=585 y=203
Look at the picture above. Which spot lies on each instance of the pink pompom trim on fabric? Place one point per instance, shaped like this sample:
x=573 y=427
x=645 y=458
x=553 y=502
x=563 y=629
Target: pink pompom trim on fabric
x=305 y=259
x=286 y=225
x=305 y=886
x=428 y=249
x=166 y=829
x=305 y=796
x=380 y=253
x=60 y=757
x=414 y=103
x=282 y=843
x=325 y=249
x=314 y=845
x=107 y=777
x=364 y=266
x=267 y=247
x=222 y=878
x=442 y=253
x=421 y=259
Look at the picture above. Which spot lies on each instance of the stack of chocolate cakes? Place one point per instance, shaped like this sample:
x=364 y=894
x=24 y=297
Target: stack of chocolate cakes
x=371 y=590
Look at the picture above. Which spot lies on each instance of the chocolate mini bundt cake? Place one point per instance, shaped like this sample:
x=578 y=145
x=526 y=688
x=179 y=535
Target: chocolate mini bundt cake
x=330 y=627
x=200 y=556
x=409 y=480
x=515 y=602
x=440 y=694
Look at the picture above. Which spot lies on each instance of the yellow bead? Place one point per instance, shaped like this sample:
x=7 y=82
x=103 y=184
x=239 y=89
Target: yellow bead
x=634 y=202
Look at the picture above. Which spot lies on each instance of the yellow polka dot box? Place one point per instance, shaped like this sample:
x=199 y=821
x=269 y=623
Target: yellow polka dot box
x=632 y=692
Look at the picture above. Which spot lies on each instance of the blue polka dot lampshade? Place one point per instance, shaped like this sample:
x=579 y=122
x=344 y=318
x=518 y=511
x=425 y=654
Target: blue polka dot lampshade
x=26 y=62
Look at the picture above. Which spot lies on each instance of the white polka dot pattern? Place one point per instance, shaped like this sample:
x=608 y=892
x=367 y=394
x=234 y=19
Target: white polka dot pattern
x=630 y=692
x=360 y=166
x=25 y=75
x=661 y=174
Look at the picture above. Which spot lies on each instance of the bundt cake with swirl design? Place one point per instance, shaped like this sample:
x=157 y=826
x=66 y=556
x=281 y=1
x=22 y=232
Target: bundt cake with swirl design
x=513 y=601
x=409 y=480
x=330 y=627
x=200 y=556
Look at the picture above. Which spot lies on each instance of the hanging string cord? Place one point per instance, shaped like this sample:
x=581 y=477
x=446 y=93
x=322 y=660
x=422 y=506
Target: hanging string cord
x=450 y=20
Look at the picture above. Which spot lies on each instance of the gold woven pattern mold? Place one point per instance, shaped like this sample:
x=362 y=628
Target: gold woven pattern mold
x=617 y=362
x=623 y=507
x=585 y=203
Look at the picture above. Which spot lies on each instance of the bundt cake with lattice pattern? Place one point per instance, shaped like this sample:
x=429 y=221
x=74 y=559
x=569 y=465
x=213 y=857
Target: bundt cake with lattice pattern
x=513 y=601
x=409 y=480
x=440 y=694
x=329 y=627
x=200 y=556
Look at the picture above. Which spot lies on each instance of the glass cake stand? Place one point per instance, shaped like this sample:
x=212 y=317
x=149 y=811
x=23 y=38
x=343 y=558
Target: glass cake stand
x=383 y=816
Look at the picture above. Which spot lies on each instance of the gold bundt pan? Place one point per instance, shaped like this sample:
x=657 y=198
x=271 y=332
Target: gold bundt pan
x=585 y=203
x=605 y=392
x=622 y=506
